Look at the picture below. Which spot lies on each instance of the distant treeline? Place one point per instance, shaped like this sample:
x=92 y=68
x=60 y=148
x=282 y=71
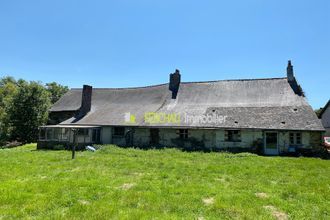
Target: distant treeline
x=24 y=107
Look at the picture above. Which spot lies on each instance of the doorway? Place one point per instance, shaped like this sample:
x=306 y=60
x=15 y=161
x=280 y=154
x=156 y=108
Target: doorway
x=154 y=136
x=271 y=143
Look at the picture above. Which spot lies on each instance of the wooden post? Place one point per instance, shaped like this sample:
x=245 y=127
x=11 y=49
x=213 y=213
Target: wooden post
x=74 y=143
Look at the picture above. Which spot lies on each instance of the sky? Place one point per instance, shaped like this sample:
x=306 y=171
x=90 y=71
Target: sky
x=128 y=43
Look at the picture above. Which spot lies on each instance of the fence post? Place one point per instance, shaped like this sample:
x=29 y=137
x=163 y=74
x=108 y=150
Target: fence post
x=74 y=143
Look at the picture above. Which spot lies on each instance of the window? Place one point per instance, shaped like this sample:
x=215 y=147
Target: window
x=82 y=132
x=42 y=134
x=295 y=138
x=298 y=138
x=119 y=131
x=64 y=134
x=96 y=136
x=233 y=135
x=183 y=133
x=49 y=134
x=57 y=134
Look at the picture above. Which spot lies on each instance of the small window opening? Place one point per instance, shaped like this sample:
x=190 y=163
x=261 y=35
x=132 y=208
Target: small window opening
x=233 y=135
x=183 y=133
x=295 y=138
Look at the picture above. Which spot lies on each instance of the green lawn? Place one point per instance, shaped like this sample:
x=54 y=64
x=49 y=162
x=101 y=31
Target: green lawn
x=160 y=184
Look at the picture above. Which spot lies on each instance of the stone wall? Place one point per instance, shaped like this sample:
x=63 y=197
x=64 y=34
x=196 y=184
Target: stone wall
x=198 y=139
x=208 y=139
x=247 y=139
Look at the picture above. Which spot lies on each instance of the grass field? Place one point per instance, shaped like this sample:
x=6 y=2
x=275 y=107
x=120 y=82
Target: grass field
x=160 y=184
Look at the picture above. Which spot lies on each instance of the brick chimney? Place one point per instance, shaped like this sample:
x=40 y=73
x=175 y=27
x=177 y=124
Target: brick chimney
x=175 y=79
x=86 y=100
x=289 y=72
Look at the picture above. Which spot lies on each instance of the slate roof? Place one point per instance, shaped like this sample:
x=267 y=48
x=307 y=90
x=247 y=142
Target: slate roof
x=252 y=103
x=324 y=108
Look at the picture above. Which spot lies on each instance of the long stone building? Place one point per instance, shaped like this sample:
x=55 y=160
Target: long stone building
x=270 y=114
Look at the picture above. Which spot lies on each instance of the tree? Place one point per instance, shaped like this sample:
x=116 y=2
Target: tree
x=318 y=111
x=27 y=111
x=8 y=89
x=24 y=107
x=56 y=91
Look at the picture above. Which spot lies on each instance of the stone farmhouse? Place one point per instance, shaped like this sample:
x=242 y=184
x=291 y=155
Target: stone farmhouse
x=270 y=114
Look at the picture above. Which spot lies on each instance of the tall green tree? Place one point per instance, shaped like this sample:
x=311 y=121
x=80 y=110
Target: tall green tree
x=56 y=91
x=27 y=111
x=8 y=89
x=318 y=111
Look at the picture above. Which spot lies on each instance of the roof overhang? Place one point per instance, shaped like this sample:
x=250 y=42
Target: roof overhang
x=181 y=127
x=69 y=126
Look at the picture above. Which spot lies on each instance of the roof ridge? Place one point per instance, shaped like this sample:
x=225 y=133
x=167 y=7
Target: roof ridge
x=137 y=87
x=226 y=80
x=210 y=81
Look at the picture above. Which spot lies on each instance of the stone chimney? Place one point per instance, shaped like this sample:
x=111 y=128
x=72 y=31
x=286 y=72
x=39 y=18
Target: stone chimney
x=175 y=79
x=86 y=100
x=292 y=80
x=289 y=72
